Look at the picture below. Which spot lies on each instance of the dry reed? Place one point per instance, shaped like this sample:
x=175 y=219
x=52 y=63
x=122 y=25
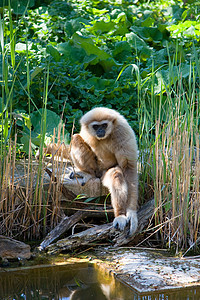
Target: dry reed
x=173 y=167
x=29 y=199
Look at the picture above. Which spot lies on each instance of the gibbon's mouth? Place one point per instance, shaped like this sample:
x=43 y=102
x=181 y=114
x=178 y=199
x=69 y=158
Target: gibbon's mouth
x=100 y=135
x=100 y=138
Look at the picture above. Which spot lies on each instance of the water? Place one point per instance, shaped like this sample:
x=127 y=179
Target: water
x=75 y=282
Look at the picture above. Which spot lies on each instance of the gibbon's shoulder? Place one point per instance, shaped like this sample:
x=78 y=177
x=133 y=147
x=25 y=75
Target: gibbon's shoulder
x=102 y=113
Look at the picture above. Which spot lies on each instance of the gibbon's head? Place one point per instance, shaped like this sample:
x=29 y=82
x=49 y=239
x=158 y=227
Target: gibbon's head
x=99 y=122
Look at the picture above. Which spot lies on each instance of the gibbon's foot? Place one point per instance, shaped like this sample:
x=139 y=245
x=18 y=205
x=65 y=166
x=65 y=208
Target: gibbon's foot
x=131 y=216
x=120 y=222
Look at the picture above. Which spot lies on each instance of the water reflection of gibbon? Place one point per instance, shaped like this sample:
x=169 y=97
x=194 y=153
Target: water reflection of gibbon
x=92 y=292
x=62 y=282
x=106 y=288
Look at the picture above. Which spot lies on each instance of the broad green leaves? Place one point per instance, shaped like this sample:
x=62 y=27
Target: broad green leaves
x=186 y=29
x=87 y=46
x=100 y=56
x=139 y=45
x=18 y=6
x=54 y=126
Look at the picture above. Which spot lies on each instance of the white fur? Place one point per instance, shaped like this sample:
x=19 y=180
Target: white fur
x=107 y=181
x=133 y=219
x=120 y=222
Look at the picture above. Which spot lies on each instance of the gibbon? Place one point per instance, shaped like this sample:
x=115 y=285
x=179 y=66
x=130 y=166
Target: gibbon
x=106 y=147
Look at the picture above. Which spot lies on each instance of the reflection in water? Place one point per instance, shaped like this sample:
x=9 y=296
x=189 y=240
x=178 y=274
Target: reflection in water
x=75 y=282
x=78 y=281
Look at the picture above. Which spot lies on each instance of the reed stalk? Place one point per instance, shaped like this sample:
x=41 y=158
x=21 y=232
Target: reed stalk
x=169 y=138
x=28 y=209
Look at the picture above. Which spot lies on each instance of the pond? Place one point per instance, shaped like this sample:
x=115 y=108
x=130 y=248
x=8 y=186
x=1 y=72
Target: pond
x=80 y=281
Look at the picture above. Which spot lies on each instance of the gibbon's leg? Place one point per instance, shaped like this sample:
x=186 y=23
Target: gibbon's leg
x=132 y=201
x=114 y=180
x=82 y=156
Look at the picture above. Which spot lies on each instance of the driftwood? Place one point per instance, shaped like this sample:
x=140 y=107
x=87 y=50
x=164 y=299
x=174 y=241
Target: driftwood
x=101 y=232
x=83 y=238
x=67 y=222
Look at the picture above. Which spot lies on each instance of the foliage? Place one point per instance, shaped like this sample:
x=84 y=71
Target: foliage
x=86 y=44
x=61 y=58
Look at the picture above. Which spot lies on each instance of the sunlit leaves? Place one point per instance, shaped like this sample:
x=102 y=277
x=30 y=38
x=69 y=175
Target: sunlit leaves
x=88 y=43
x=186 y=29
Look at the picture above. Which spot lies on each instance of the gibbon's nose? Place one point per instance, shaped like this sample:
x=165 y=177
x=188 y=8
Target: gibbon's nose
x=100 y=133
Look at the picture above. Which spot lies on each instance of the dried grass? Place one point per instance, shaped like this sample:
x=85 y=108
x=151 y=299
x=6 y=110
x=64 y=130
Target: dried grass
x=29 y=202
x=173 y=168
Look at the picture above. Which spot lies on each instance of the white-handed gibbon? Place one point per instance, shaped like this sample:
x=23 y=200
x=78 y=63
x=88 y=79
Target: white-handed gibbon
x=106 y=147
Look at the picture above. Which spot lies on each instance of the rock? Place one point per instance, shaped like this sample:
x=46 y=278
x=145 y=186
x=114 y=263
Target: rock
x=79 y=184
x=12 y=249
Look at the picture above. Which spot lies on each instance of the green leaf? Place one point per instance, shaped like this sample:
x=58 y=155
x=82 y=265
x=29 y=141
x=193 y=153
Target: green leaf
x=138 y=44
x=71 y=53
x=74 y=25
x=90 y=48
x=100 y=84
x=53 y=121
x=122 y=49
x=53 y=52
x=54 y=124
x=99 y=12
x=89 y=199
x=148 y=33
x=97 y=84
x=148 y=18
x=88 y=45
x=18 y=6
x=102 y=26
x=35 y=72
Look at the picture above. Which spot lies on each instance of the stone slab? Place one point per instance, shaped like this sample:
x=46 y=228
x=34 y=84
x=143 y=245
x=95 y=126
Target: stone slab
x=148 y=271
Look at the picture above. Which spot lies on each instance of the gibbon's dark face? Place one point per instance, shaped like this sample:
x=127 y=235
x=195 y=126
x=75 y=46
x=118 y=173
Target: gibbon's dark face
x=101 y=129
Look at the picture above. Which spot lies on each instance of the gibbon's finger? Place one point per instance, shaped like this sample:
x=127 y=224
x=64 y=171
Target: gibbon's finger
x=133 y=219
x=120 y=222
x=71 y=176
x=74 y=175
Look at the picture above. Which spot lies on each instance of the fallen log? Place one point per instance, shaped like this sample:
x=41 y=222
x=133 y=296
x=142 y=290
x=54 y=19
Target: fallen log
x=97 y=233
x=67 y=222
x=83 y=238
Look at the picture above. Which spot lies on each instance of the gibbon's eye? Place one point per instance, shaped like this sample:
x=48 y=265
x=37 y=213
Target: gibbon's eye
x=104 y=125
x=95 y=127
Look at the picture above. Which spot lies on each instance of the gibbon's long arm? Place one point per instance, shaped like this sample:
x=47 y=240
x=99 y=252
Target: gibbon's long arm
x=82 y=155
x=127 y=161
x=122 y=183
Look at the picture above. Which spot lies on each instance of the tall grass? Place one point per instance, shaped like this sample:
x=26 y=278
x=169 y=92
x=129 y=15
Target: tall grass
x=169 y=140
x=29 y=202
